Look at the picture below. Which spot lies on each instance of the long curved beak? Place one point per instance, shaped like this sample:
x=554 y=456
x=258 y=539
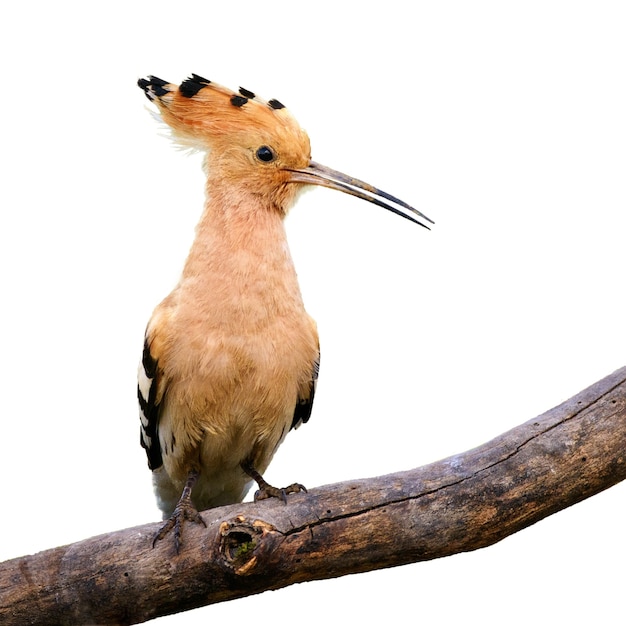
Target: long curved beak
x=317 y=174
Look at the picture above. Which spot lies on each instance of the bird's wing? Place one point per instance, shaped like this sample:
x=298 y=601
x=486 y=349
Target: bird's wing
x=150 y=395
x=304 y=406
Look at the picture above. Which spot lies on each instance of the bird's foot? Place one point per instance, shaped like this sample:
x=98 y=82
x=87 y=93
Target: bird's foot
x=265 y=489
x=184 y=511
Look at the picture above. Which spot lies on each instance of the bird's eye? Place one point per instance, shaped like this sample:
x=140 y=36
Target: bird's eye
x=265 y=153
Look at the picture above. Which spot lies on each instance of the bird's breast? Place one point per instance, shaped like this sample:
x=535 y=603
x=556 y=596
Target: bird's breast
x=235 y=372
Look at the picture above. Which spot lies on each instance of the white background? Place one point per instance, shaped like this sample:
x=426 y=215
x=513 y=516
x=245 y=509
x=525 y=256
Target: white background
x=504 y=122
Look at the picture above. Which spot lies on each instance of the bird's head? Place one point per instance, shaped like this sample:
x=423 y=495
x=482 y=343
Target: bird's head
x=253 y=143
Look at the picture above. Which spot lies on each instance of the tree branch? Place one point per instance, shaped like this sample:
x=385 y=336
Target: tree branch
x=461 y=503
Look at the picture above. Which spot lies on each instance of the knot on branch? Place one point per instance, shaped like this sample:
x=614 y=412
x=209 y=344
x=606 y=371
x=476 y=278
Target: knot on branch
x=243 y=544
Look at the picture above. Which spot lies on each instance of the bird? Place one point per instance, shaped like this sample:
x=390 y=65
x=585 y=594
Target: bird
x=231 y=358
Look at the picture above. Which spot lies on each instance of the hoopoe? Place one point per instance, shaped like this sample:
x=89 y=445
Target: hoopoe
x=231 y=357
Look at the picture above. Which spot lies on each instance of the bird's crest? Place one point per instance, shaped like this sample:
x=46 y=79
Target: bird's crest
x=200 y=111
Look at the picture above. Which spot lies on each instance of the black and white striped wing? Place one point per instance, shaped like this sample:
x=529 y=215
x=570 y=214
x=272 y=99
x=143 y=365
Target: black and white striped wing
x=148 y=381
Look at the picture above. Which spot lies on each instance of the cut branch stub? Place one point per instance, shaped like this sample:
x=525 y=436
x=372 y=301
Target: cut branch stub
x=243 y=543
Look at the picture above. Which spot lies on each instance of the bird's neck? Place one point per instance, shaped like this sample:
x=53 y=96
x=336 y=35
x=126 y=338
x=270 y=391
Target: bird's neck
x=240 y=252
x=236 y=225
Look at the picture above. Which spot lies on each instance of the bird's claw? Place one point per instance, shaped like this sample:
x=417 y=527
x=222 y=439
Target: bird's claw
x=267 y=491
x=184 y=511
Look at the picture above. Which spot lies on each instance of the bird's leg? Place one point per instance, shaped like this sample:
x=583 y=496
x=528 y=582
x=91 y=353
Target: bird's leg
x=265 y=489
x=184 y=510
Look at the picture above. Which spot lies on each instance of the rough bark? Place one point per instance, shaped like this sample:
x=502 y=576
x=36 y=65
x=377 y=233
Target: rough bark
x=461 y=503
